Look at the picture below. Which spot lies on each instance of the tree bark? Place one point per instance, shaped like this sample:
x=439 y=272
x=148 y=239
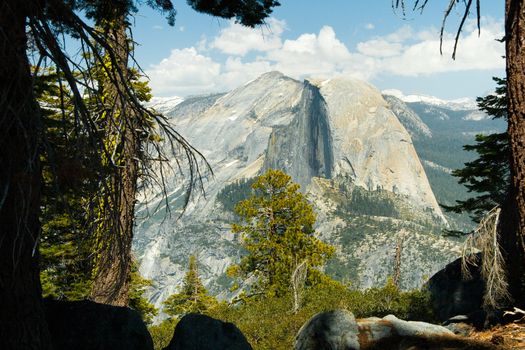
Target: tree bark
x=512 y=228
x=22 y=319
x=112 y=280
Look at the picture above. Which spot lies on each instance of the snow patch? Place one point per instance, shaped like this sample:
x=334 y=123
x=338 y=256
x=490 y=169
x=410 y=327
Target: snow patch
x=464 y=103
x=437 y=166
x=476 y=116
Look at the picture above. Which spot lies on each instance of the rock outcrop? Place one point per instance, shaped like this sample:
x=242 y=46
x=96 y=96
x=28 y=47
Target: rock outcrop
x=303 y=148
x=200 y=332
x=370 y=143
x=86 y=325
x=454 y=294
x=338 y=330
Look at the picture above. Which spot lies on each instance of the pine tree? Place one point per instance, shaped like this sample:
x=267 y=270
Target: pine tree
x=123 y=145
x=276 y=227
x=511 y=222
x=137 y=301
x=193 y=297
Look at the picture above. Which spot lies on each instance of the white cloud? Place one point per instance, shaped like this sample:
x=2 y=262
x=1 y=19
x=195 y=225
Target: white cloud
x=402 y=34
x=236 y=72
x=423 y=58
x=310 y=54
x=369 y=26
x=379 y=48
x=184 y=72
x=405 y=52
x=237 y=39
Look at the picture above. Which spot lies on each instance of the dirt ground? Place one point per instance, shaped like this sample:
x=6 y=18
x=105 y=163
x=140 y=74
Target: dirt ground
x=510 y=336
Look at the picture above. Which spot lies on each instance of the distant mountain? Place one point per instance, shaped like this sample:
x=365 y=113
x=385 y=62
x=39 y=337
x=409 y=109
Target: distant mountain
x=457 y=104
x=440 y=130
x=349 y=147
x=165 y=104
x=410 y=120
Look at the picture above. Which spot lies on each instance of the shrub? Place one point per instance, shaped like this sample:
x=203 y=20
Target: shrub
x=270 y=324
x=162 y=333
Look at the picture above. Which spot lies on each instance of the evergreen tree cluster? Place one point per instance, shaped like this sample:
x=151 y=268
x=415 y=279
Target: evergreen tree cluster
x=67 y=177
x=71 y=175
x=363 y=202
x=235 y=192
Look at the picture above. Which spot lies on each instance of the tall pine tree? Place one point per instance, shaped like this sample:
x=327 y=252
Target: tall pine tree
x=123 y=146
x=511 y=223
x=193 y=297
x=276 y=228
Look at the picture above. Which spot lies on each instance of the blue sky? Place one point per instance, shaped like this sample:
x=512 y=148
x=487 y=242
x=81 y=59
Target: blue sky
x=322 y=39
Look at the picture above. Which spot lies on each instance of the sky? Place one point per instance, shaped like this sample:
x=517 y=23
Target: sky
x=304 y=39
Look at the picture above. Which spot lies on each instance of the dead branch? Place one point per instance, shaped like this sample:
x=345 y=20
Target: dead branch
x=485 y=239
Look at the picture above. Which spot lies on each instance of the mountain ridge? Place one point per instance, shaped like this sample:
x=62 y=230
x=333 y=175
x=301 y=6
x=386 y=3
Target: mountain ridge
x=341 y=141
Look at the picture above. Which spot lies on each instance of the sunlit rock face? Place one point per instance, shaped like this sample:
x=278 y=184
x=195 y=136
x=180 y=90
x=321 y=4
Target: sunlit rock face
x=371 y=145
x=338 y=139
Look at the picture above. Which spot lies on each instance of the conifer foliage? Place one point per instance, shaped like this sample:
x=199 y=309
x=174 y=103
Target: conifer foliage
x=68 y=170
x=193 y=297
x=276 y=227
x=488 y=176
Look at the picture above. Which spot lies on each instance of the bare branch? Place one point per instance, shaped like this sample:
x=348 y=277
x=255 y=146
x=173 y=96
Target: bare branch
x=418 y=5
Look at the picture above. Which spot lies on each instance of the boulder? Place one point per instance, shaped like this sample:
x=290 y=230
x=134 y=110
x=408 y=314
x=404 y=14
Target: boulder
x=329 y=330
x=200 y=332
x=86 y=325
x=338 y=330
x=452 y=294
x=461 y=328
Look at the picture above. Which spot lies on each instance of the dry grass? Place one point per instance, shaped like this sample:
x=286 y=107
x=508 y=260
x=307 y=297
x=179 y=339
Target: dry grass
x=510 y=336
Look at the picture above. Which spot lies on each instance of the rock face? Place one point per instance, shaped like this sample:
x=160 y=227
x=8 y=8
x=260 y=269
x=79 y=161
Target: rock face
x=410 y=120
x=339 y=140
x=312 y=156
x=200 y=332
x=85 y=325
x=370 y=143
x=452 y=294
x=338 y=330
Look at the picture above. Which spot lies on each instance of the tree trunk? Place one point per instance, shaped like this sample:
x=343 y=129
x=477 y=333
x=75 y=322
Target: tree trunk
x=111 y=284
x=397 y=261
x=22 y=320
x=512 y=229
